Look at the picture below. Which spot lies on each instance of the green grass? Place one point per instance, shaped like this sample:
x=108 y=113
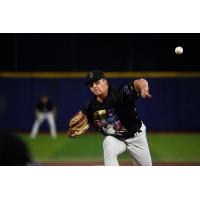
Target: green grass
x=163 y=147
x=175 y=147
x=85 y=148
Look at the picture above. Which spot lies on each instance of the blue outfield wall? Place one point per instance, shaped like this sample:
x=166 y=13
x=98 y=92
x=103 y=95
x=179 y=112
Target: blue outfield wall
x=174 y=104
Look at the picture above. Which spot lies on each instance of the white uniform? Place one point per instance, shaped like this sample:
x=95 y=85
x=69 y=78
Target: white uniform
x=49 y=116
x=44 y=111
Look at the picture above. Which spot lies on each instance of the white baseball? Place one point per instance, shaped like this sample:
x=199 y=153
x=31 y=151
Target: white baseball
x=179 y=50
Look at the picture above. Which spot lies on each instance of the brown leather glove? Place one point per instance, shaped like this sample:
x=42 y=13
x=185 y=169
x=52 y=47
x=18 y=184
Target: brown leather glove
x=78 y=125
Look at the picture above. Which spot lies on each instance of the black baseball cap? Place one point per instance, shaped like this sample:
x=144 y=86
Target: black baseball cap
x=94 y=75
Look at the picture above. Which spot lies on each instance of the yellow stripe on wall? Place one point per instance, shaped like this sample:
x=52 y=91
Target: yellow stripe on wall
x=138 y=74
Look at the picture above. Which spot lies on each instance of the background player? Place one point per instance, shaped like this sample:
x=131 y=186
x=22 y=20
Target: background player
x=44 y=110
x=113 y=113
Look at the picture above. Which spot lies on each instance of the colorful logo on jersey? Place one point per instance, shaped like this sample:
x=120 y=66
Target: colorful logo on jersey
x=108 y=122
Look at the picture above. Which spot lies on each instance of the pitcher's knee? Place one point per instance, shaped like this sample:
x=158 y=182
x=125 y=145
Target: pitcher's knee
x=109 y=151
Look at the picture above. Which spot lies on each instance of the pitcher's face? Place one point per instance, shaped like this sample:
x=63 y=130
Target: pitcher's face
x=99 y=87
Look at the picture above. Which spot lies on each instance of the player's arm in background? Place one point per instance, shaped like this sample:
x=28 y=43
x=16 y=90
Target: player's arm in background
x=142 y=87
x=37 y=113
x=54 y=111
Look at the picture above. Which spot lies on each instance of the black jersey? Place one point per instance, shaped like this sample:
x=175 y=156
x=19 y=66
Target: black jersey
x=116 y=115
x=44 y=107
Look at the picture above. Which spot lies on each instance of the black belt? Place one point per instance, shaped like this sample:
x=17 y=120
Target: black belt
x=125 y=135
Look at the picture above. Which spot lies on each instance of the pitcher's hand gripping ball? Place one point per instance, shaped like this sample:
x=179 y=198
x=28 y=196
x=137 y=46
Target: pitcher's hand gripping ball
x=78 y=125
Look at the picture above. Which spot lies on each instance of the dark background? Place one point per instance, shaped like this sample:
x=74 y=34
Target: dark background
x=175 y=101
x=110 y=52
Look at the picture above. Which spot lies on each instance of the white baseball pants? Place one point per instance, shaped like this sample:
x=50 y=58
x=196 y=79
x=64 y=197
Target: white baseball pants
x=49 y=116
x=137 y=147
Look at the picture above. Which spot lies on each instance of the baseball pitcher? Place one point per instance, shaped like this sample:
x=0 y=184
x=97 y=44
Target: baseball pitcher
x=112 y=112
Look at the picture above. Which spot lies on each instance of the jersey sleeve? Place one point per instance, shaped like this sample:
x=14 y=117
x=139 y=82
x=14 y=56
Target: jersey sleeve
x=87 y=110
x=128 y=91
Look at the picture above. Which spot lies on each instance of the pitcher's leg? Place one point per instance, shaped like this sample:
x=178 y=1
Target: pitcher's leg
x=112 y=147
x=139 y=149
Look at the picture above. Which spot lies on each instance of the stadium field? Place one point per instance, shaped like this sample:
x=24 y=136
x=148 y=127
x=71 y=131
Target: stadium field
x=166 y=149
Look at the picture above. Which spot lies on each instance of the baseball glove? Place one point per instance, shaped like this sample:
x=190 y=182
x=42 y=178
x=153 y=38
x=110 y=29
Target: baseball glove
x=78 y=125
